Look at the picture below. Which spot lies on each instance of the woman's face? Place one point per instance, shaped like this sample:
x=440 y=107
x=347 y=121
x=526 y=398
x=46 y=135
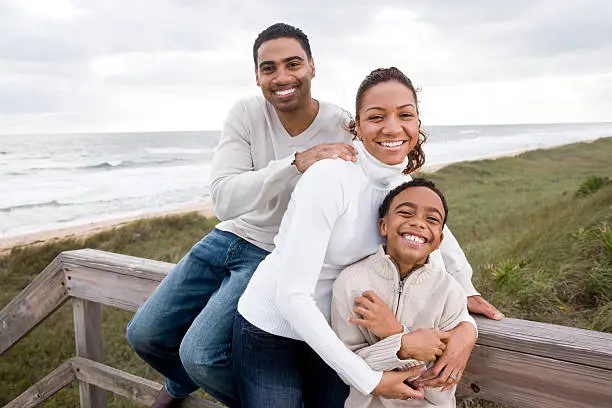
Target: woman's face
x=388 y=122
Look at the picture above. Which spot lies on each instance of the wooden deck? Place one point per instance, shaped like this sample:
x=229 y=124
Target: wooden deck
x=515 y=362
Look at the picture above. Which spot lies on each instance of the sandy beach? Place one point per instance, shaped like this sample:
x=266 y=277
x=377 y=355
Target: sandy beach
x=85 y=230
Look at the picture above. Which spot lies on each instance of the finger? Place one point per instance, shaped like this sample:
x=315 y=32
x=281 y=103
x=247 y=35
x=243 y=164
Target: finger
x=367 y=314
x=363 y=301
x=442 y=346
x=433 y=372
x=360 y=322
x=438 y=352
x=372 y=296
x=445 y=335
x=410 y=393
x=413 y=373
x=449 y=386
x=440 y=380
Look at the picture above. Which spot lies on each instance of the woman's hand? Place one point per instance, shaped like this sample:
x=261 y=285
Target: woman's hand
x=394 y=384
x=447 y=371
x=376 y=316
x=423 y=344
x=476 y=304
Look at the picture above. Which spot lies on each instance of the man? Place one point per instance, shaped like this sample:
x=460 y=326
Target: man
x=184 y=329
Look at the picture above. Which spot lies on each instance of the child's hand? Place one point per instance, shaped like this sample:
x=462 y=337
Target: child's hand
x=423 y=344
x=376 y=316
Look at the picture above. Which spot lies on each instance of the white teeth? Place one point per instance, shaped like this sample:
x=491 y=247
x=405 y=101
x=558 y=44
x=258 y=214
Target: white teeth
x=414 y=238
x=392 y=144
x=285 y=92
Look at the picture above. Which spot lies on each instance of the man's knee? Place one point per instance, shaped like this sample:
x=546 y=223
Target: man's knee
x=201 y=360
x=136 y=336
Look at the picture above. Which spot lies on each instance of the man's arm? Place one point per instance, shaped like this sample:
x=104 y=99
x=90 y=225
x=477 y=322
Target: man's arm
x=237 y=187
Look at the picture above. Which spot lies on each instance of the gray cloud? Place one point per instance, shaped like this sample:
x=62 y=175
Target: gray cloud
x=53 y=64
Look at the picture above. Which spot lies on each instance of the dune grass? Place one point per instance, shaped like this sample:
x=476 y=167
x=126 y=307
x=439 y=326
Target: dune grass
x=537 y=229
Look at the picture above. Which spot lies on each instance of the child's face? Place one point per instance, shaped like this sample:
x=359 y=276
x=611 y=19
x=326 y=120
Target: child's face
x=413 y=225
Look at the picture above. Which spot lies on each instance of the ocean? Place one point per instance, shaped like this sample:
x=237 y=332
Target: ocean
x=62 y=180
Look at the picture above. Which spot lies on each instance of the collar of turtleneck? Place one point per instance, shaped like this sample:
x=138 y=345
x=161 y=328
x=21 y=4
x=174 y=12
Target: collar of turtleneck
x=380 y=174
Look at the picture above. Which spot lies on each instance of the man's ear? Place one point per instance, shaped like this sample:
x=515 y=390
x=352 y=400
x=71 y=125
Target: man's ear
x=312 y=66
x=382 y=227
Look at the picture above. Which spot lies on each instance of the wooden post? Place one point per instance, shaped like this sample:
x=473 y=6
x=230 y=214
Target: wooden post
x=88 y=339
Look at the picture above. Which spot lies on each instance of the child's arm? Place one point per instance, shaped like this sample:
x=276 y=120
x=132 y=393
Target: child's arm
x=380 y=356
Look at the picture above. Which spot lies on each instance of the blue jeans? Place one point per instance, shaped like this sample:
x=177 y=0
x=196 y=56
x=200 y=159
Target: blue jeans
x=184 y=330
x=278 y=372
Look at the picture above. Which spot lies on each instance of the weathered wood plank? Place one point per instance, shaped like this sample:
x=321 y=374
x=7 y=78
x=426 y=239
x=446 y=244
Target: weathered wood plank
x=127 y=385
x=527 y=381
x=45 y=388
x=547 y=340
x=118 y=263
x=88 y=340
x=38 y=300
x=108 y=288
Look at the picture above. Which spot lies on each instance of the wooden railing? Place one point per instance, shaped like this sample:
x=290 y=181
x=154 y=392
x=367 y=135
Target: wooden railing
x=516 y=362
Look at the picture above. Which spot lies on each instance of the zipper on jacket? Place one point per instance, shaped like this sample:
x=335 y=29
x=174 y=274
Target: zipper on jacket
x=400 y=288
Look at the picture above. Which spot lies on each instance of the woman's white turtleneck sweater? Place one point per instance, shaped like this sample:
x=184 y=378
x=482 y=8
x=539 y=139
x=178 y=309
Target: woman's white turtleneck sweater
x=330 y=223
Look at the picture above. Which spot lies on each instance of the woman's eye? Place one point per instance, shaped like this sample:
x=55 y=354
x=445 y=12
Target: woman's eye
x=406 y=115
x=376 y=117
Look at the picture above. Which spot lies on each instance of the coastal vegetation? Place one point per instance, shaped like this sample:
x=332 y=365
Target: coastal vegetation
x=537 y=229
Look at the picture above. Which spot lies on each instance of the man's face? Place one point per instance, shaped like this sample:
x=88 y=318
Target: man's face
x=413 y=225
x=284 y=73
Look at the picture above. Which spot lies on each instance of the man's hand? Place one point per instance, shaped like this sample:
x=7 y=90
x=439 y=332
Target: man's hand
x=376 y=316
x=447 y=371
x=423 y=344
x=303 y=160
x=476 y=304
x=394 y=384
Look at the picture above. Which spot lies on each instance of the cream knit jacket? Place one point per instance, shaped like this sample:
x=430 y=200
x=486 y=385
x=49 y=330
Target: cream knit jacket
x=427 y=298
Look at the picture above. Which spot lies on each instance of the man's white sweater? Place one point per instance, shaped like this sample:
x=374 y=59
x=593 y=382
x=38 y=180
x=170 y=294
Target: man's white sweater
x=330 y=223
x=427 y=298
x=252 y=176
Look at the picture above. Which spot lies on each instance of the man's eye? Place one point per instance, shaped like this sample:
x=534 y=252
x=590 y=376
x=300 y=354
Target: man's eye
x=407 y=213
x=267 y=69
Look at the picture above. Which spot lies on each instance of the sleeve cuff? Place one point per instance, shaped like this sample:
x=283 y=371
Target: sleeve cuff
x=384 y=355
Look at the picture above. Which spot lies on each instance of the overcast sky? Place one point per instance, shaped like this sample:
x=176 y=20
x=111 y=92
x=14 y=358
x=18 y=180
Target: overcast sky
x=138 y=65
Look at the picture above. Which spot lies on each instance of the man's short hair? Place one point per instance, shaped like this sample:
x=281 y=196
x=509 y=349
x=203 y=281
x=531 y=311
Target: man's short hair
x=281 y=30
x=416 y=182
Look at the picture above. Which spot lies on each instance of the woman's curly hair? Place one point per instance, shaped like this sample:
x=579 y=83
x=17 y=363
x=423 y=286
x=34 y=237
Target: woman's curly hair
x=416 y=157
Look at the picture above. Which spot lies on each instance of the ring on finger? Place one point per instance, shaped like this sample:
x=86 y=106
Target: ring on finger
x=452 y=377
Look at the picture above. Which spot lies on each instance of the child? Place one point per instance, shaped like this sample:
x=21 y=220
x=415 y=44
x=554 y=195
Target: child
x=394 y=307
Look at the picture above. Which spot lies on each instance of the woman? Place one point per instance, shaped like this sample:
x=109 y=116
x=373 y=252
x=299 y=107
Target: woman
x=283 y=346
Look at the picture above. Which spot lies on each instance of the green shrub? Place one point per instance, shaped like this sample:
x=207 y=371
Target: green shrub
x=591 y=185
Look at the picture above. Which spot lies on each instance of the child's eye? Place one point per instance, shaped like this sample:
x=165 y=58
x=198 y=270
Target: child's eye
x=433 y=220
